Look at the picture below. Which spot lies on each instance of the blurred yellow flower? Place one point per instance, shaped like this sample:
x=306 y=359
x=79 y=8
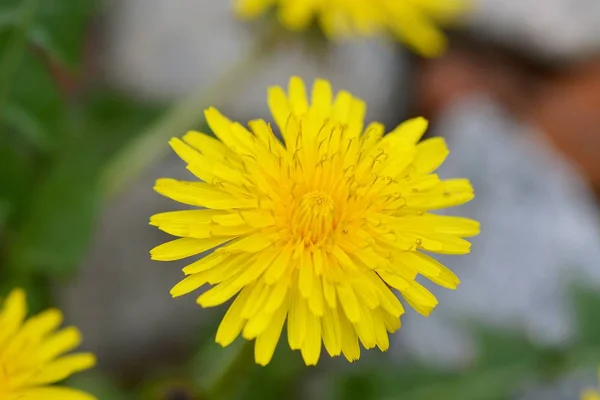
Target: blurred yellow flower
x=414 y=22
x=316 y=230
x=592 y=394
x=32 y=354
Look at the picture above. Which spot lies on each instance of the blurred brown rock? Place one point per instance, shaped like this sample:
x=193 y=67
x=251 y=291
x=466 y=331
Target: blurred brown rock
x=567 y=109
x=562 y=102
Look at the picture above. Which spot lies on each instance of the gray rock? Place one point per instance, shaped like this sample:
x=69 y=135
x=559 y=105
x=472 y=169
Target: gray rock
x=120 y=300
x=555 y=29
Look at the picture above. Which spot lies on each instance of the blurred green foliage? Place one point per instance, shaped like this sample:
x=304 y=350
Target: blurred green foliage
x=58 y=131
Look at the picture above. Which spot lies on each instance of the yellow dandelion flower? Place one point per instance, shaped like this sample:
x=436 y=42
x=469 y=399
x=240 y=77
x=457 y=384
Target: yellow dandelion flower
x=414 y=22
x=32 y=354
x=315 y=230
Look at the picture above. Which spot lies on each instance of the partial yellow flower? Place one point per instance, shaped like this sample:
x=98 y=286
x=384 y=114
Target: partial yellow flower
x=591 y=394
x=315 y=230
x=32 y=354
x=414 y=22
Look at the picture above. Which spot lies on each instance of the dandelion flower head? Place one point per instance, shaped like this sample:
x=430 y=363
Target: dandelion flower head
x=414 y=22
x=32 y=354
x=317 y=230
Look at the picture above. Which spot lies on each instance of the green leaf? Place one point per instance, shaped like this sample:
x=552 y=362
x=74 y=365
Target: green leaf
x=37 y=92
x=62 y=211
x=63 y=25
x=59 y=29
x=3 y=214
x=8 y=17
x=497 y=347
x=12 y=47
x=586 y=303
x=27 y=124
x=215 y=368
x=16 y=175
x=65 y=202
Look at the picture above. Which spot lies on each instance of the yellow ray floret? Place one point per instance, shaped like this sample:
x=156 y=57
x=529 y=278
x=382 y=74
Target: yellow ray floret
x=32 y=354
x=317 y=229
x=414 y=22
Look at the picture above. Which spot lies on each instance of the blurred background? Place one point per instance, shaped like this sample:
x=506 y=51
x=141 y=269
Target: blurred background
x=90 y=92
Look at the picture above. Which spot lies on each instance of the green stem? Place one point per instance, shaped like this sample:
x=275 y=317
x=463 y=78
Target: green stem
x=151 y=145
x=9 y=63
x=228 y=377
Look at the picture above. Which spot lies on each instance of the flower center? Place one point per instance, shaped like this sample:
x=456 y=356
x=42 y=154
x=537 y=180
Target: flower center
x=314 y=216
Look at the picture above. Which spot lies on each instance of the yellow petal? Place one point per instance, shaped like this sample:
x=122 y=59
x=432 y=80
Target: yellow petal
x=13 y=314
x=341 y=107
x=431 y=153
x=321 y=98
x=311 y=348
x=364 y=329
x=279 y=265
x=297 y=320
x=443 y=244
x=219 y=294
x=416 y=295
x=255 y=266
x=186 y=216
x=52 y=393
x=185 y=247
x=441 y=224
x=233 y=135
x=379 y=329
x=448 y=193
x=267 y=340
x=251 y=244
x=189 y=284
x=201 y=194
x=350 y=346
x=356 y=119
x=205 y=263
x=430 y=268
x=305 y=275
x=297 y=92
x=329 y=292
x=332 y=335
x=232 y=323
x=349 y=302
x=280 y=109
x=61 y=342
x=63 y=368
x=315 y=300
x=408 y=132
x=206 y=144
x=388 y=301
x=280 y=289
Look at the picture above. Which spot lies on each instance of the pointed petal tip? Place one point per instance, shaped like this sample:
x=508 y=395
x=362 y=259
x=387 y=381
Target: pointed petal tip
x=262 y=361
